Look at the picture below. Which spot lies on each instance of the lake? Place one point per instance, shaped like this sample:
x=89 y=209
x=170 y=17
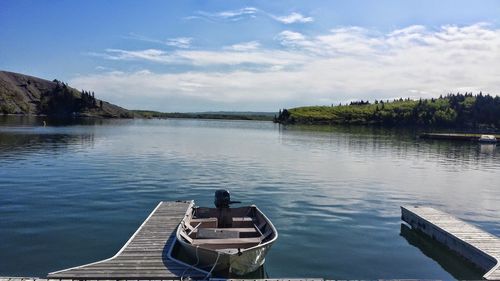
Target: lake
x=74 y=192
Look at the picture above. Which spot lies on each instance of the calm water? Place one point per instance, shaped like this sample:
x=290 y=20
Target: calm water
x=74 y=194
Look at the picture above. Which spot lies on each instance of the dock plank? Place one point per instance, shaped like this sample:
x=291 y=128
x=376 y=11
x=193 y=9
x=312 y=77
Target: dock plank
x=469 y=241
x=144 y=255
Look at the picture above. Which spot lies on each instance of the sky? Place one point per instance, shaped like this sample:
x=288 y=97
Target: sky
x=190 y=56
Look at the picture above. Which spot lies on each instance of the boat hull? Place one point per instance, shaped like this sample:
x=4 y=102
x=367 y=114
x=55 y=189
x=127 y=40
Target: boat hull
x=488 y=141
x=234 y=263
x=491 y=139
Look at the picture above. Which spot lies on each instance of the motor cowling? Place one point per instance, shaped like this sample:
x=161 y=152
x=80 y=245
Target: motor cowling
x=222 y=198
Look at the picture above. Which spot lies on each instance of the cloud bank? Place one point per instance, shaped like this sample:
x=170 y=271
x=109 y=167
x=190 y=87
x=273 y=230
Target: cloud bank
x=343 y=64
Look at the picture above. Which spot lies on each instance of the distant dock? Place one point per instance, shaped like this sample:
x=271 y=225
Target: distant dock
x=458 y=137
x=474 y=244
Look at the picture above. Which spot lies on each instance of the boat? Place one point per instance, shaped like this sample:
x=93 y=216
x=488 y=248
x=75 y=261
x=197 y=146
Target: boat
x=224 y=239
x=487 y=139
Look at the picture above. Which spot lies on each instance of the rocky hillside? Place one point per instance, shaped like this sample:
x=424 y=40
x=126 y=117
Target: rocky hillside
x=23 y=94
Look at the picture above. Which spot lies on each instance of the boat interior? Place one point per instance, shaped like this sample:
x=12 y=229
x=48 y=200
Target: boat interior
x=226 y=228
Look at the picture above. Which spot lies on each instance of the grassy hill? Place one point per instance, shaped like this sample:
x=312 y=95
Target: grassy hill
x=460 y=110
x=23 y=94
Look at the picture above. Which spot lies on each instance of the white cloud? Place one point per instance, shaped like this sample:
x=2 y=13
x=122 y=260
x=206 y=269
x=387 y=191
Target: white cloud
x=293 y=39
x=179 y=42
x=262 y=57
x=229 y=15
x=233 y=55
x=237 y=13
x=293 y=18
x=103 y=68
x=245 y=46
x=248 y=13
x=291 y=36
x=342 y=64
x=151 y=55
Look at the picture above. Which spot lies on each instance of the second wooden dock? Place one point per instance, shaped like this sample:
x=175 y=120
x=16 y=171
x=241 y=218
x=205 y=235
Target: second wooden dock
x=454 y=136
x=474 y=244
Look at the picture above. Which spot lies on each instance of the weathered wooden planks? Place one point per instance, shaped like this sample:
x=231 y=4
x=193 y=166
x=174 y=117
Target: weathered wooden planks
x=145 y=255
x=476 y=245
x=211 y=279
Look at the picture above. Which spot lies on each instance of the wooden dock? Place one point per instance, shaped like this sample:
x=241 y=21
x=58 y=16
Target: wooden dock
x=146 y=255
x=455 y=136
x=2 y=278
x=474 y=244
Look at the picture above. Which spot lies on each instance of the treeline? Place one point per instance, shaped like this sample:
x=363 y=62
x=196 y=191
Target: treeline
x=64 y=101
x=453 y=110
x=233 y=116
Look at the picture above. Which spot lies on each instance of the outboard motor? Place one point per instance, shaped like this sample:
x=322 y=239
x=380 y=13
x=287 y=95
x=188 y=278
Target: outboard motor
x=222 y=201
x=222 y=198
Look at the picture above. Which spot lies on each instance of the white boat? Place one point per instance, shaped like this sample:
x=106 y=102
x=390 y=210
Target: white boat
x=224 y=239
x=487 y=139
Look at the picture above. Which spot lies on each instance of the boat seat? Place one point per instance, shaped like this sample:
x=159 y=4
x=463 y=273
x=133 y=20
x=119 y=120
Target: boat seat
x=227 y=243
x=242 y=222
x=205 y=222
x=232 y=229
x=242 y=219
x=221 y=233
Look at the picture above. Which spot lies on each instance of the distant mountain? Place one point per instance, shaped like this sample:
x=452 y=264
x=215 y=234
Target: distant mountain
x=23 y=94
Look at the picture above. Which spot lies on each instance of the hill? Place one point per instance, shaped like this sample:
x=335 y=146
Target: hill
x=465 y=111
x=23 y=94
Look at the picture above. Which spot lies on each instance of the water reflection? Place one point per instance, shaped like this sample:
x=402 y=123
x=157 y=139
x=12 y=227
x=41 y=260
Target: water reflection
x=456 y=265
x=38 y=121
x=398 y=143
x=489 y=149
x=17 y=144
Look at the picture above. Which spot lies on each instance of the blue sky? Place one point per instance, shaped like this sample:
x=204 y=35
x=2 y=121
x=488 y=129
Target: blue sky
x=254 y=55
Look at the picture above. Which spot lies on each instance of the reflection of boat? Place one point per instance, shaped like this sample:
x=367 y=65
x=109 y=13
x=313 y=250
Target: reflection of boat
x=487 y=148
x=223 y=238
x=487 y=139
